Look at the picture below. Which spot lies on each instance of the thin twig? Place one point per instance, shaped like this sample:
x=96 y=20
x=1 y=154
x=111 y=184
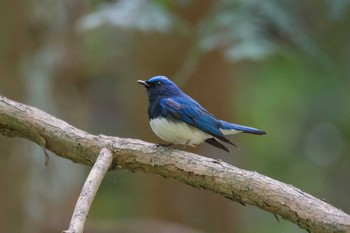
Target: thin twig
x=92 y=183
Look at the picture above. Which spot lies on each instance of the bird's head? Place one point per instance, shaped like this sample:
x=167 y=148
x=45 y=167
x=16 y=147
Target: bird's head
x=160 y=86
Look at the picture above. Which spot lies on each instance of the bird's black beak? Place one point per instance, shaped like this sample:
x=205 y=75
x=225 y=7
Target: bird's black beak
x=143 y=83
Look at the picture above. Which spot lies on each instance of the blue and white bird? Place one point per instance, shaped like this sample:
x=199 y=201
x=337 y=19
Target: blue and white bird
x=178 y=119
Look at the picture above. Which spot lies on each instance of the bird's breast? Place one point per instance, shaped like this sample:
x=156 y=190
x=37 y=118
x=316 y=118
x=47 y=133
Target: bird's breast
x=177 y=132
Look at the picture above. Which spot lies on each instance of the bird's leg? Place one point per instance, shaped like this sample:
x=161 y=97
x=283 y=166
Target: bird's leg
x=185 y=145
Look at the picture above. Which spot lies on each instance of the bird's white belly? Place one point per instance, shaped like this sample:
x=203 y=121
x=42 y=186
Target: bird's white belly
x=178 y=132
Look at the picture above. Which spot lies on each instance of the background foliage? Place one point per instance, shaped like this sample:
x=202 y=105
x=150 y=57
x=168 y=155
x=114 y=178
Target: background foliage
x=282 y=66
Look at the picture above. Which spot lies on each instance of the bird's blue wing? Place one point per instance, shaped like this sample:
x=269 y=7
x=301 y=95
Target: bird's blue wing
x=189 y=111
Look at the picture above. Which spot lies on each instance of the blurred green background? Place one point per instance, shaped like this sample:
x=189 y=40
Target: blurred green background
x=281 y=66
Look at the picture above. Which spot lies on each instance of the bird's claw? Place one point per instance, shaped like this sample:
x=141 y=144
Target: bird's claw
x=163 y=145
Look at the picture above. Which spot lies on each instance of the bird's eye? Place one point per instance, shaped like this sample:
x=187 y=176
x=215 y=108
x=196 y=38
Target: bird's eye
x=158 y=83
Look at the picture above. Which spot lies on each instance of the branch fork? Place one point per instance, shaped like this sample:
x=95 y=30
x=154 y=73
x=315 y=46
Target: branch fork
x=87 y=195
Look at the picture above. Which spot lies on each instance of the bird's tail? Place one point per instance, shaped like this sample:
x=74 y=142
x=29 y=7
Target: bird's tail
x=230 y=128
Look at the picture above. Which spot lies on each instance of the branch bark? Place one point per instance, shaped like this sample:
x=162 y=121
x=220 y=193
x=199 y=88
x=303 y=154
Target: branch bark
x=247 y=187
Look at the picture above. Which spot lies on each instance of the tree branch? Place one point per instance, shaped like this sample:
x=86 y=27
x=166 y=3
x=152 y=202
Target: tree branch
x=89 y=191
x=310 y=213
